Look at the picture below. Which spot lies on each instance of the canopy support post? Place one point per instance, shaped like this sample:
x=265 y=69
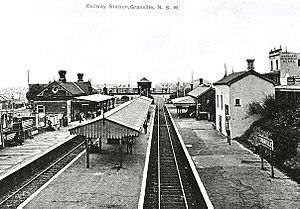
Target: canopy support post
x=121 y=153
x=127 y=145
x=87 y=152
x=100 y=144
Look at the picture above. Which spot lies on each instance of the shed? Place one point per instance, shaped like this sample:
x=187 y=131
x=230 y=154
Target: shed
x=181 y=103
x=204 y=96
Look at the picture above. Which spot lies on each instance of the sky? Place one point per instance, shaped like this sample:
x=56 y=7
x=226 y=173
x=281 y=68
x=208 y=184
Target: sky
x=122 y=46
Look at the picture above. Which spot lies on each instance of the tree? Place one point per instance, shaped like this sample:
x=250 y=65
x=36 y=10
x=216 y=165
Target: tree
x=33 y=91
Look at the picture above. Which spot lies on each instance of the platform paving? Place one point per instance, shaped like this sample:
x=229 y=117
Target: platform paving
x=102 y=185
x=231 y=174
x=13 y=158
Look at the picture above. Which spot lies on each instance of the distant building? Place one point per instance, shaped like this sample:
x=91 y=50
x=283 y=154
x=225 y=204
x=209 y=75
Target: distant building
x=144 y=86
x=4 y=102
x=283 y=65
x=233 y=94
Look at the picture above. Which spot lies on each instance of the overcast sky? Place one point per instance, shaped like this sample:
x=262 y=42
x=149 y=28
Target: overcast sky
x=115 y=46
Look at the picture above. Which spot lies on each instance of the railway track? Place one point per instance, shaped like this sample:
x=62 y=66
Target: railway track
x=170 y=181
x=21 y=192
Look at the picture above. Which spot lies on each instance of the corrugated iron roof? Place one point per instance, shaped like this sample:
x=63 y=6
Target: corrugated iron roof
x=95 y=97
x=183 y=101
x=197 y=92
x=124 y=120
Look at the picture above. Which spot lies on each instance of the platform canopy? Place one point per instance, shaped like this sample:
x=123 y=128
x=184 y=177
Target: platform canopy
x=199 y=91
x=95 y=97
x=123 y=121
x=184 y=101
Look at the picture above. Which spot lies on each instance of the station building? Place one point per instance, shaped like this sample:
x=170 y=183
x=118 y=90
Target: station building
x=233 y=94
x=60 y=102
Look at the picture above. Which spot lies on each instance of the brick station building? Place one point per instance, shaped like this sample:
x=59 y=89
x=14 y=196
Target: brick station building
x=53 y=101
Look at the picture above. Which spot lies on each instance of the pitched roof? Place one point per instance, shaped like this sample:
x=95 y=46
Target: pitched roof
x=183 y=101
x=124 y=120
x=4 y=98
x=197 y=92
x=86 y=87
x=233 y=77
x=95 y=97
x=144 y=80
x=72 y=87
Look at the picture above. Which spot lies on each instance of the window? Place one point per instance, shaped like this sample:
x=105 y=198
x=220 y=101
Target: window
x=298 y=62
x=221 y=97
x=276 y=64
x=40 y=108
x=226 y=109
x=237 y=102
x=271 y=65
x=217 y=101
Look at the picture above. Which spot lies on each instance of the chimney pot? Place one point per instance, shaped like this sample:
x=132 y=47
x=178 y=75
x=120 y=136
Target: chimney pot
x=250 y=64
x=62 y=75
x=80 y=77
x=200 y=81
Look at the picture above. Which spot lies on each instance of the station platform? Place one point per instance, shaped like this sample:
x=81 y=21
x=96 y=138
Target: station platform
x=231 y=174
x=104 y=184
x=14 y=158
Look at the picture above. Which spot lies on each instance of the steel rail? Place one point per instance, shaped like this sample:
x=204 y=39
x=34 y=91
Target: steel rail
x=158 y=160
x=176 y=163
x=40 y=174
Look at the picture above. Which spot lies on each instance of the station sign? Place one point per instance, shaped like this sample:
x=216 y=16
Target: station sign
x=266 y=142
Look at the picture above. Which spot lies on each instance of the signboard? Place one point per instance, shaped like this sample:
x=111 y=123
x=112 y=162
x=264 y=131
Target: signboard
x=266 y=142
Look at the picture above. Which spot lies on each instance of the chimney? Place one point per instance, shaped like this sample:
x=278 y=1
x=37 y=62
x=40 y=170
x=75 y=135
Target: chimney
x=200 y=81
x=80 y=77
x=62 y=75
x=250 y=64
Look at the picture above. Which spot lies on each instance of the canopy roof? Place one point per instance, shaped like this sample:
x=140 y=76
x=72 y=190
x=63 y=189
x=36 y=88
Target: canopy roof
x=95 y=97
x=183 y=101
x=122 y=121
x=200 y=90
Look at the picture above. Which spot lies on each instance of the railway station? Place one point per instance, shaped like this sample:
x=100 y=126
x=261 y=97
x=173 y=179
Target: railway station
x=187 y=155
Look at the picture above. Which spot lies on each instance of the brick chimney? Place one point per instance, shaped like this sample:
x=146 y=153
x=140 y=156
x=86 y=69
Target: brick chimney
x=200 y=81
x=80 y=77
x=62 y=75
x=250 y=64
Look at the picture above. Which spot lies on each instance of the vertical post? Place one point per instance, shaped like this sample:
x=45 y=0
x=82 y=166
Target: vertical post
x=100 y=144
x=271 y=161
x=87 y=152
x=127 y=145
x=261 y=156
x=121 y=153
